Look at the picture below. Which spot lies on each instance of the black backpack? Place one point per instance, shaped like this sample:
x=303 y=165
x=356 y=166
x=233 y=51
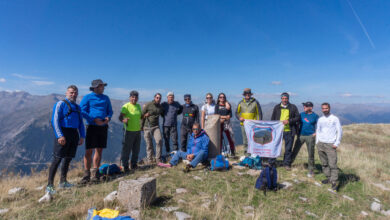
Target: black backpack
x=268 y=179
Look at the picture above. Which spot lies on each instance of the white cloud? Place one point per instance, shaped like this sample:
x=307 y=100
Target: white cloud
x=2 y=80
x=346 y=95
x=21 y=76
x=276 y=82
x=42 y=83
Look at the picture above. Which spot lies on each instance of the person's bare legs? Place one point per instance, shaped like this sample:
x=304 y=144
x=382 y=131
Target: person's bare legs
x=88 y=159
x=97 y=157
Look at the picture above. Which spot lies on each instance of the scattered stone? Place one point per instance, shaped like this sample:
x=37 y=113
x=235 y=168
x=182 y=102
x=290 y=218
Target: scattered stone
x=332 y=191
x=182 y=215
x=386 y=213
x=111 y=197
x=293 y=174
x=296 y=181
x=3 y=211
x=381 y=186
x=376 y=207
x=289 y=211
x=136 y=214
x=46 y=198
x=181 y=190
x=311 y=214
x=203 y=194
x=164 y=173
x=349 y=198
x=376 y=200
x=239 y=167
x=250 y=215
x=39 y=188
x=240 y=174
x=206 y=204
x=215 y=197
x=144 y=176
x=197 y=178
x=137 y=194
x=341 y=214
x=364 y=213
x=285 y=185
x=388 y=181
x=248 y=208
x=16 y=190
x=317 y=183
x=253 y=172
x=181 y=201
x=169 y=209
x=303 y=199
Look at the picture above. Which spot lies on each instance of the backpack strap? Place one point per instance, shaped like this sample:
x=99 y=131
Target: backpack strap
x=70 y=110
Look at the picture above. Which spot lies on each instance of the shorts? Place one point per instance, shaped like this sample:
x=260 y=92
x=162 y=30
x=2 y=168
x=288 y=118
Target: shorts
x=96 y=137
x=71 y=142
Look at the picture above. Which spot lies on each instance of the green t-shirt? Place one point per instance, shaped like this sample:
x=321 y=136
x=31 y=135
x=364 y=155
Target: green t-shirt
x=285 y=115
x=133 y=113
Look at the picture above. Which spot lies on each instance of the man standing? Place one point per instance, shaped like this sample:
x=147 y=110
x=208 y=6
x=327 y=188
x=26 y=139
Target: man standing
x=328 y=138
x=171 y=110
x=190 y=116
x=69 y=130
x=131 y=117
x=307 y=135
x=96 y=109
x=150 y=123
x=248 y=108
x=289 y=115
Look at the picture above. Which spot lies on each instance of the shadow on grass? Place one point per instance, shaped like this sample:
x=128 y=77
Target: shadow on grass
x=161 y=201
x=345 y=178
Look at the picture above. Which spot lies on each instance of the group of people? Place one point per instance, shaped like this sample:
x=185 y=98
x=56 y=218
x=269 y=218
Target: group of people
x=95 y=107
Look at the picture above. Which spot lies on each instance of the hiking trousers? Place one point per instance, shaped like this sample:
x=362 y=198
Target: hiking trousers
x=184 y=132
x=328 y=157
x=131 y=145
x=149 y=134
x=227 y=129
x=288 y=143
x=244 y=138
x=200 y=157
x=310 y=141
x=170 y=132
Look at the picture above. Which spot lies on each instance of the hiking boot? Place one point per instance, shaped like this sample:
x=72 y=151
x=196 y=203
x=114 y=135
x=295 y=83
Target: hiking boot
x=95 y=175
x=65 y=185
x=126 y=170
x=86 y=178
x=50 y=189
x=325 y=181
x=334 y=186
x=134 y=166
x=187 y=168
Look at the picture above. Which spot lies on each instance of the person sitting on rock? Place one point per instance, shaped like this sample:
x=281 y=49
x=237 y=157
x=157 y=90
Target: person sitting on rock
x=197 y=150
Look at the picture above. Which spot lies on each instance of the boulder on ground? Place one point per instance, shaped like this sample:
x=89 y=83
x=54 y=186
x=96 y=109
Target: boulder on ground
x=137 y=194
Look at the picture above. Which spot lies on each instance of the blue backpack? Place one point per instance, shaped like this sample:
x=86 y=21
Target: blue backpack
x=251 y=163
x=107 y=169
x=219 y=163
x=268 y=179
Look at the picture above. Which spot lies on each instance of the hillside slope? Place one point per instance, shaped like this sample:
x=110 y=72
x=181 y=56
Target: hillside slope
x=363 y=160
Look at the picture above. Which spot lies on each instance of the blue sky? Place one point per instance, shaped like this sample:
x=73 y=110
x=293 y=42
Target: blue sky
x=336 y=51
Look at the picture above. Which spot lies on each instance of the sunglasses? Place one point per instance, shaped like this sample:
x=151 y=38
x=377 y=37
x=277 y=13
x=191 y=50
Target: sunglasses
x=195 y=129
x=222 y=97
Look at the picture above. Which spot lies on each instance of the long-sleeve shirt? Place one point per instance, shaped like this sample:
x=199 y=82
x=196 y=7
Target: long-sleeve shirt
x=171 y=111
x=95 y=106
x=190 y=115
x=198 y=143
x=61 y=120
x=329 y=130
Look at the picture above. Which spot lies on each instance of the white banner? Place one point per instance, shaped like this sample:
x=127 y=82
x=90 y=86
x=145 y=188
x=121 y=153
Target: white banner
x=264 y=137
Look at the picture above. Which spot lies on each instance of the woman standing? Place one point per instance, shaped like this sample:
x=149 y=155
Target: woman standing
x=223 y=109
x=207 y=109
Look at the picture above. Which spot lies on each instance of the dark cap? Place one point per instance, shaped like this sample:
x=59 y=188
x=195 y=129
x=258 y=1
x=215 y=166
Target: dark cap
x=307 y=104
x=247 y=91
x=133 y=93
x=187 y=96
x=95 y=83
x=285 y=94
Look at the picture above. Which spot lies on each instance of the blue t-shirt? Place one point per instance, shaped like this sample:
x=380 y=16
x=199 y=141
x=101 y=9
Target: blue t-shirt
x=308 y=123
x=95 y=106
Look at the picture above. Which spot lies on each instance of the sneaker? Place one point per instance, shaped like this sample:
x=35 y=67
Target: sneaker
x=325 y=181
x=165 y=165
x=65 y=185
x=187 y=168
x=50 y=189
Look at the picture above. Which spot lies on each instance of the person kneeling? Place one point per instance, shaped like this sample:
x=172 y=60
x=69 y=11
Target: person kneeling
x=197 y=150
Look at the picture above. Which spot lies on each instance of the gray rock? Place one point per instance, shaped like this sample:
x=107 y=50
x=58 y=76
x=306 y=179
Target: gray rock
x=332 y=191
x=296 y=181
x=303 y=199
x=206 y=204
x=388 y=181
x=169 y=209
x=197 y=178
x=317 y=184
x=386 y=213
x=181 y=201
x=285 y=185
x=182 y=215
x=311 y=214
x=253 y=172
x=349 y=198
x=375 y=207
x=16 y=190
x=381 y=186
x=137 y=194
x=364 y=213
x=181 y=190
x=248 y=208
x=111 y=197
x=164 y=173
x=293 y=174
x=376 y=200
x=240 y=174
x=3 y=211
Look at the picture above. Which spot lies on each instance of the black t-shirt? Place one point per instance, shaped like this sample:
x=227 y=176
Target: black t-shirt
x=222 y=110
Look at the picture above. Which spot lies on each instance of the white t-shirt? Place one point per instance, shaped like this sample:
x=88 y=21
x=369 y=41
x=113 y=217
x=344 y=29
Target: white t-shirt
x=208 y=109
x=329 y=130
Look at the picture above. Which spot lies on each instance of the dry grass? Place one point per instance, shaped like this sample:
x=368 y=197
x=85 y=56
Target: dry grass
x=363 y=156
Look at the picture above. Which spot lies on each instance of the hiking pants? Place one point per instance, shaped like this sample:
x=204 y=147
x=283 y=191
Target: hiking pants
x=288 y=142
x=310 y=141
x=227 y=129
x=131 y=145
x=200 y=157
x=244 y=138
x=54 y=166
x=170 y=132
x=328 y=157
x=184 y=132
x=149 y=134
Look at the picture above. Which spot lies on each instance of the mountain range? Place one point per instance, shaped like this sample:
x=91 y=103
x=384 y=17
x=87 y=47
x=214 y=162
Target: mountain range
x=26 y=135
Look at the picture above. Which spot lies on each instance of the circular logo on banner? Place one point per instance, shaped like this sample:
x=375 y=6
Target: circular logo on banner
x=262 y=135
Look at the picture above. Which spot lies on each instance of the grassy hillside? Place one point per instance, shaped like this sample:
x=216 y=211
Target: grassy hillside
x=363 y=160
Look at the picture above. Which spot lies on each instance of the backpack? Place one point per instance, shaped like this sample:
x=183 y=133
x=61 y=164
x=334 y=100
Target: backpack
x=268 y=179
x=219 y=163
x=251 y=163
x=109 y=169
x=70 y=110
